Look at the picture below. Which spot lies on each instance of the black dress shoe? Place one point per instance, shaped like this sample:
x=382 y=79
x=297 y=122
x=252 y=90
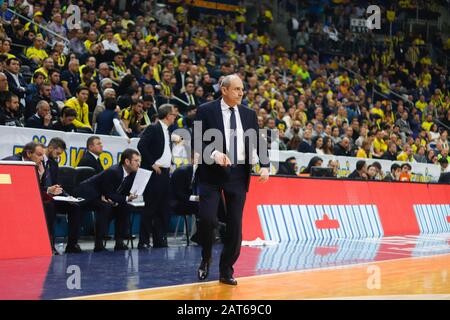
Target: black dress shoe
x=73 y=249
x=142 y=246
x=100 y=249
x=203 y=269
x=228 y=280
x=120 y=246
x=160 y=245
x=194 y=238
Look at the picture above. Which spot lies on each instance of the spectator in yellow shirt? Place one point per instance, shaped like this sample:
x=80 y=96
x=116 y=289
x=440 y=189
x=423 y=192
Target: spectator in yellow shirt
x=47 y=64
x=91 y=39
x=34 y=25
x=344 y=77
x=79 y=104
x=376 y=110
x=406 y=154
x=122 y=40
x=426 y=125
x=379 y=145
x=419 y=41
x=36 y=52
x=421 y=104
x=364 y=151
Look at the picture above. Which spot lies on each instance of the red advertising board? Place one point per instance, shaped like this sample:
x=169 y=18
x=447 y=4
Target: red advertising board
x=394 y=203
x=23 y=228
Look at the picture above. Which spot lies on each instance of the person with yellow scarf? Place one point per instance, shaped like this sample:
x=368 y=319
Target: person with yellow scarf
x=119 y=69
x=166 y=88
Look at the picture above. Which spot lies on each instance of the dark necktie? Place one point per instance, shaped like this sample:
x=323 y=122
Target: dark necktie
x=47 y=175
x=233 y=137
x=194 y=185
x=99 y=164
x=123 y=185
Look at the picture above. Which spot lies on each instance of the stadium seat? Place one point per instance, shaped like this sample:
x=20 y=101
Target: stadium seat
x=66 y=178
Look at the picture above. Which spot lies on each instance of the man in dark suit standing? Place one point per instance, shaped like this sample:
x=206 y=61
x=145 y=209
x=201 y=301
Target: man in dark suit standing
x=155 y=147
x=225 y=167
x=91 y=157
x=108 y=194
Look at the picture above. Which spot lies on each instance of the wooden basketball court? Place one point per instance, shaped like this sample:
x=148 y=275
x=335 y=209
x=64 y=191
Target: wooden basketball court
x=409 y=278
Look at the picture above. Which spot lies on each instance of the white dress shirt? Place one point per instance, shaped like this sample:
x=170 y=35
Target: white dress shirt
x=194 y=170
x=125 y=173
x=95 y=156
x=45 y=161
x=183 y=78
x=166 y=159
x=226 y=114
x=16 y=80
x=110 y=45
x=190 y=98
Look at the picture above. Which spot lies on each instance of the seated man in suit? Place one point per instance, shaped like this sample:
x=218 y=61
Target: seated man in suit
x=49 y=187
x=185 y=196
x=184 y=189
x=46 y=161
x=91 y=157
x=32 y=151
x=108 y=194
x=65 y=122
x=42 y=119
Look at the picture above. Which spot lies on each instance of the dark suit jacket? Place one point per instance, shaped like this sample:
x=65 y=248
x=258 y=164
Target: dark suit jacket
x=153 y=109
x=181 y=190
x=355 y=175
x=52 y=166
x=151 y=145
x=177 y=87
x=305 y=148
x=106 y=184
x=444 y=177
x=340 y=151
x=182 y=107
x=12 y=85
x=181 y=183
x=16 y=157
x=88 y=160
x=210 y=117
x=35 y=122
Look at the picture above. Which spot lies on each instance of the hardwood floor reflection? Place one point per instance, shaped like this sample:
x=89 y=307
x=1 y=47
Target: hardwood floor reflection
x=410 y=278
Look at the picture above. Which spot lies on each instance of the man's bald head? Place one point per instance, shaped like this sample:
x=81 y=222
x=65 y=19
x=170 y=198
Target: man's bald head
x=232 y=90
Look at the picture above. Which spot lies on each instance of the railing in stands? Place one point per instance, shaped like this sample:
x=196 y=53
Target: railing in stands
x=435 y=119
x=40 y=26
x=374 y=91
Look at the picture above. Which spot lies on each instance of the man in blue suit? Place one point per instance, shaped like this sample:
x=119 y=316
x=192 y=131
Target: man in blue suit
x=225 y=166
x=108 y=194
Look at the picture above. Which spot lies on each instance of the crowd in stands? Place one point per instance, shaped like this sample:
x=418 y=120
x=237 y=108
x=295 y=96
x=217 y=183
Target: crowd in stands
x=109 y=72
